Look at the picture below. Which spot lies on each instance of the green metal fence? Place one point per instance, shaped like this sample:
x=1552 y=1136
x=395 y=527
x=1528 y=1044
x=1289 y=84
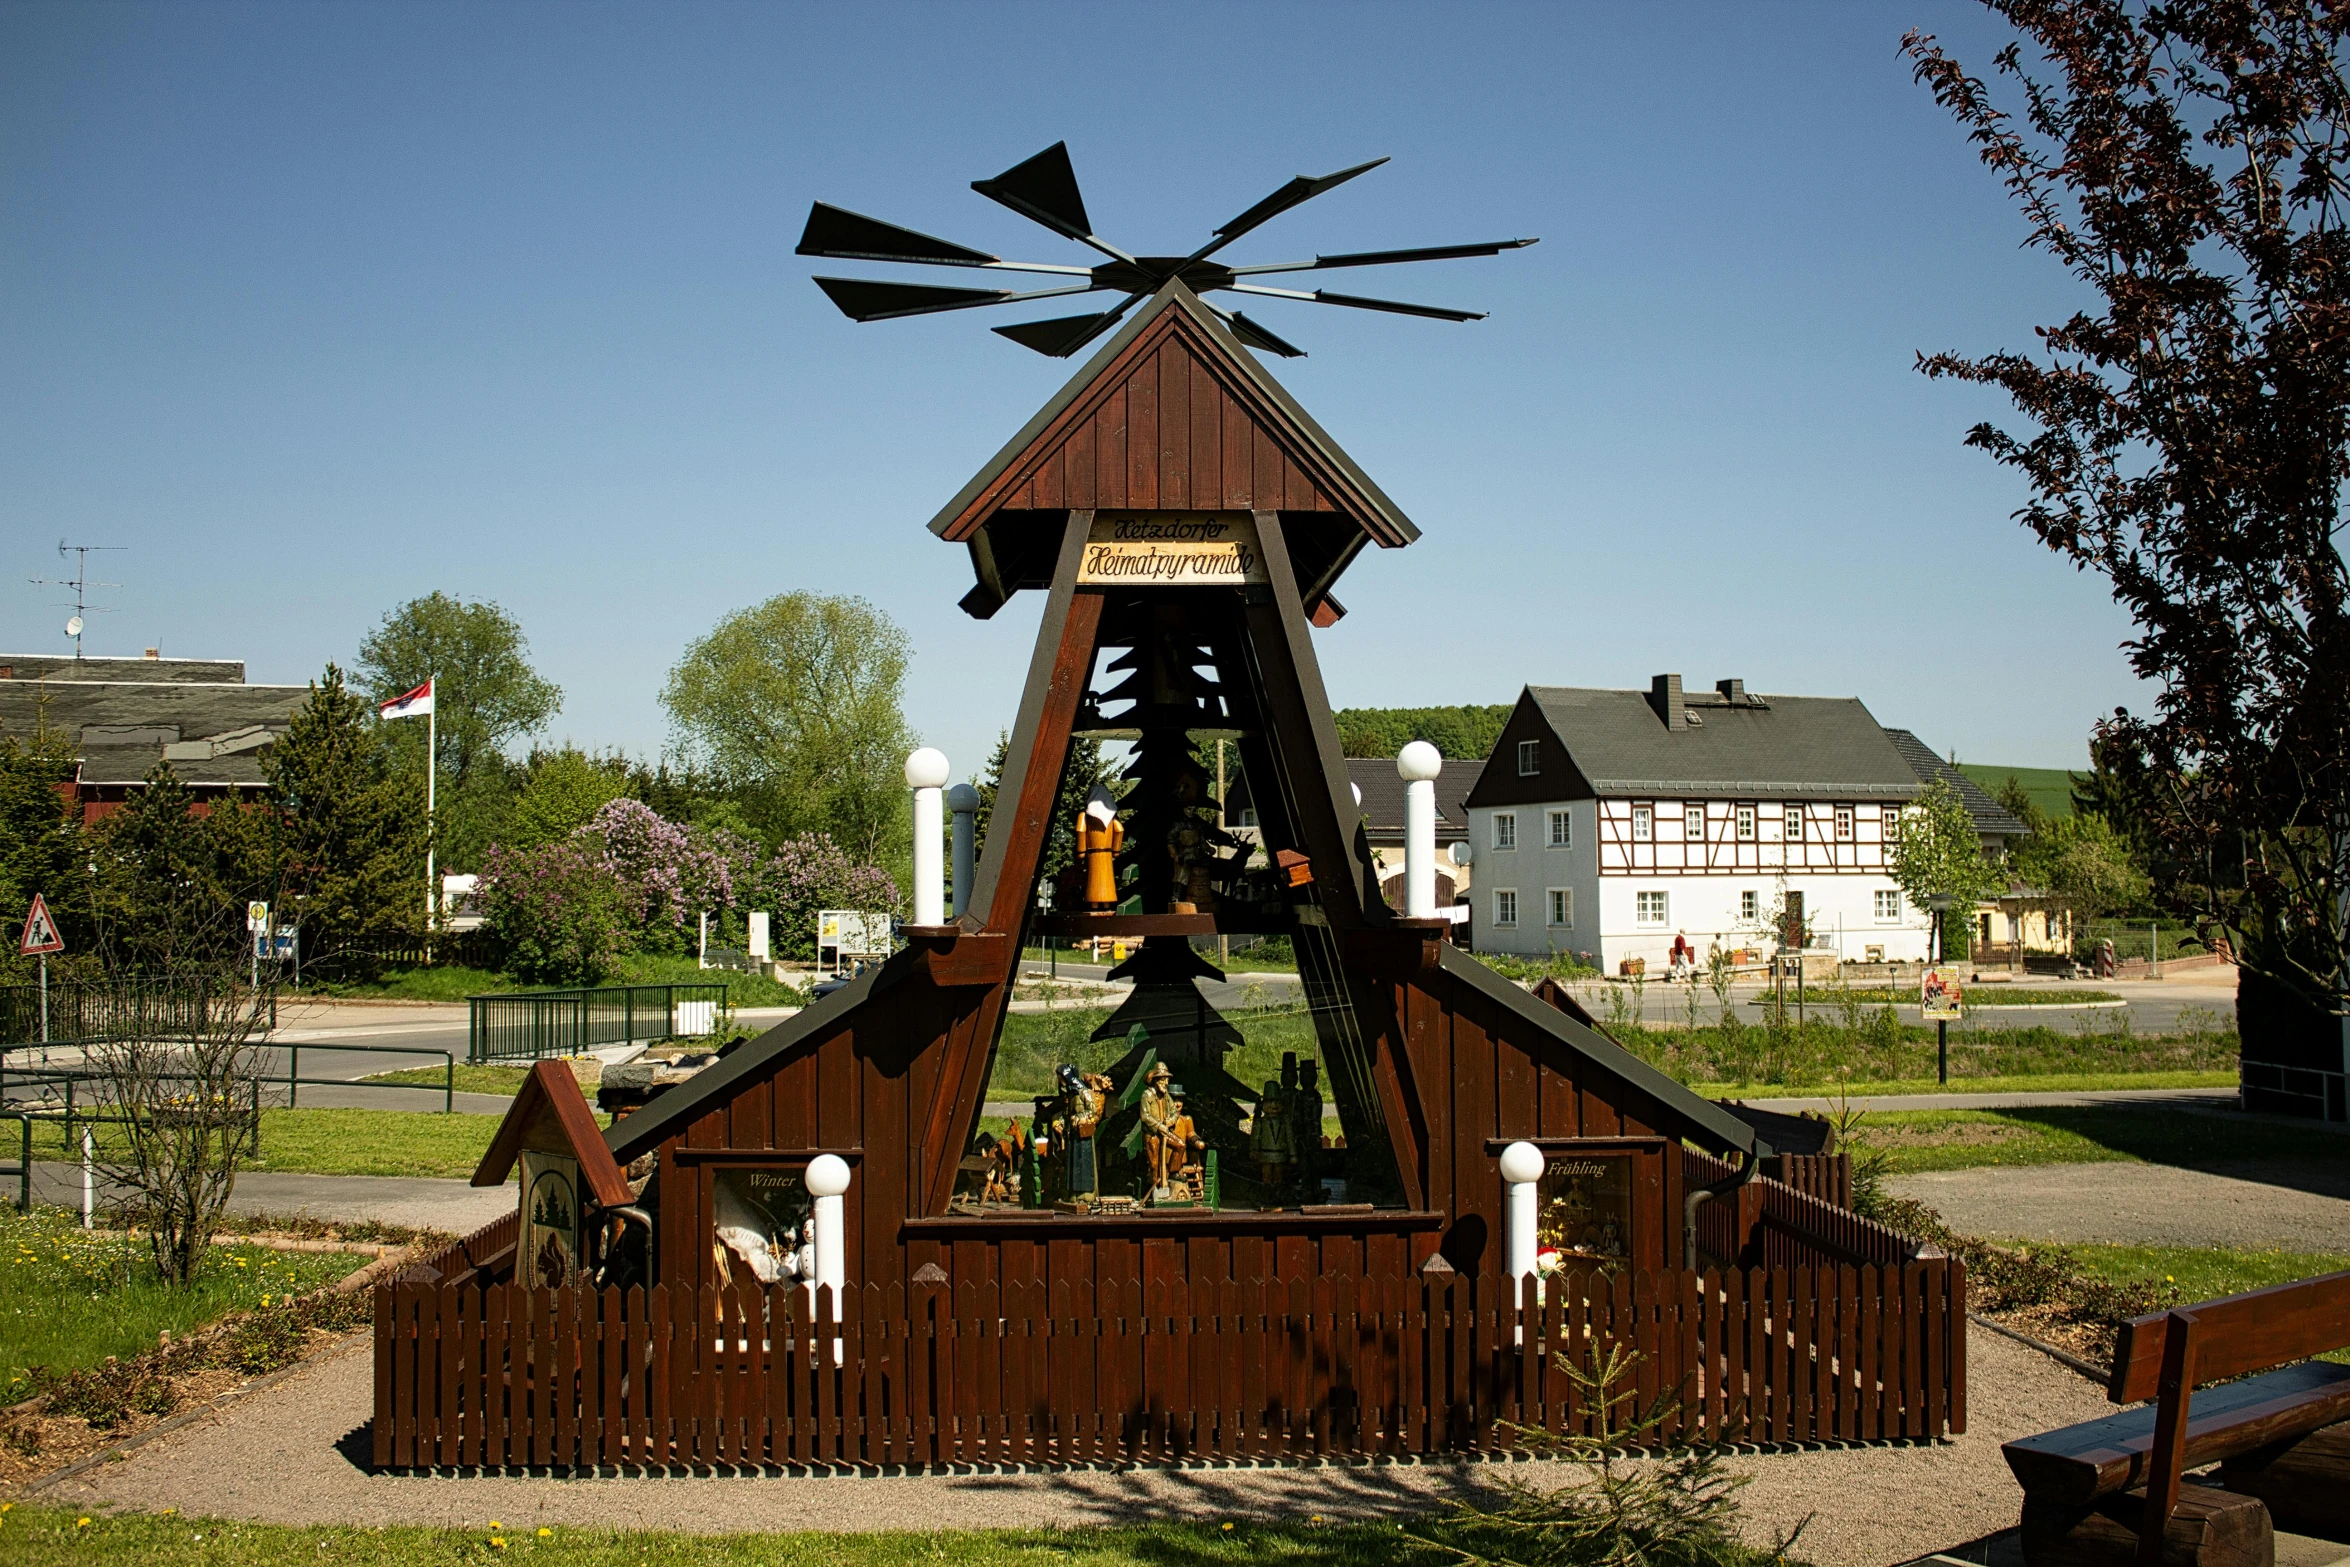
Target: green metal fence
x=88 y=1014
x=525 y=1025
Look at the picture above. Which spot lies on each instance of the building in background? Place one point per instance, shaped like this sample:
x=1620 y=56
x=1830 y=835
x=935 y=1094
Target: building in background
x=1381 y=789
x=122 y=716
x=1613 y=822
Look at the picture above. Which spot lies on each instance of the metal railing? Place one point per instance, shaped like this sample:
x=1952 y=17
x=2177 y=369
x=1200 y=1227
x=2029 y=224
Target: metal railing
x=86 y=1014
x=44 y=1081
x=527 y=1025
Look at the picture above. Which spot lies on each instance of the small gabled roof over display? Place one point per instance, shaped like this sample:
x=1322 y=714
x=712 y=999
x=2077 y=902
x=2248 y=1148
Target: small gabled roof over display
x=550 y=1110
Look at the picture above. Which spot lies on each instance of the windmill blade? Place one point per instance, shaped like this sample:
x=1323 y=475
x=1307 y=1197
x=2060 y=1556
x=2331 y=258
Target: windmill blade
x=1255 y=336
x=851 y=236
x=1045 y=189
x=1302 y=189
x=1380 y=258
x=1062 y=336
x=1323 y=296
x=861 y=299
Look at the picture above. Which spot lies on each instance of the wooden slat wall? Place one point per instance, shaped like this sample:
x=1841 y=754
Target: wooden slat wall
x=1171 y=438
x=1145 y=1369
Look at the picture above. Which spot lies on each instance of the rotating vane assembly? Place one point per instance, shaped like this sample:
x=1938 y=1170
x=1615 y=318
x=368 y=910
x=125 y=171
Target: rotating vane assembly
x=1045 y=189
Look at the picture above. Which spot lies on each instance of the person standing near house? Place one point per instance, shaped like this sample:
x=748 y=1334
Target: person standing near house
x=1684 y=956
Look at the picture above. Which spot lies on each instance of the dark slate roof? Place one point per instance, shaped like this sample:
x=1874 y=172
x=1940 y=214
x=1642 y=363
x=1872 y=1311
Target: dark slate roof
x=1760 y=745
x=175 y=671
x=1992 y=820
x=212 y=732
x=1383 y=797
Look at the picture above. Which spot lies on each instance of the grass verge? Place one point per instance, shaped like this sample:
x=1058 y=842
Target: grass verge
x=2048 y=1083
x=75 y=1297
x=1921 y=1140
x=337 y=1142
x=2207 y=1273
x=45 y=1536
x=468 y=1078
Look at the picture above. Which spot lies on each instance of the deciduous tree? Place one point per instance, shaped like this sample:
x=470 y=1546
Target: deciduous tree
x=2190 y=426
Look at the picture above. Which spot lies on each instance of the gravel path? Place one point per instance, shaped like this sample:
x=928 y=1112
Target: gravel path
x=294 y=1454
x=2300 y=1206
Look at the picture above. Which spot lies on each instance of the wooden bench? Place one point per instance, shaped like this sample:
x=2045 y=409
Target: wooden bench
x=2109 y=1490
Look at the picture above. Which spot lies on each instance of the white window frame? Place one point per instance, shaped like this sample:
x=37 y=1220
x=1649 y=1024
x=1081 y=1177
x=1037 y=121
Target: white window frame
x=1887 y=906
x=1643 y=824
x=1559 y=907
x=1641 y=902
x=1843 y=824
x=1889 y=825
x=1505 y=908
x=1792 y=827
x=1529 y=758
x=1561 y=828
x=1693 y=823
x=1749 y=905
x=1745 y=823
x=1505 y=830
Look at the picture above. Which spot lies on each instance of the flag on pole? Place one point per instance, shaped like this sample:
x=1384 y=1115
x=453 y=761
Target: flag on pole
x=416 y=704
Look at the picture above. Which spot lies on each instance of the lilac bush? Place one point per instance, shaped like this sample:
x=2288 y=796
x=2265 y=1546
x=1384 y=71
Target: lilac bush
x=666 y=873
x=555 y=911
x=801 y=877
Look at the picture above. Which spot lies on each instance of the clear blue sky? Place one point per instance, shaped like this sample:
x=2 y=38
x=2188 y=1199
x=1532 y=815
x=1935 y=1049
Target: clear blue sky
x=319 y=307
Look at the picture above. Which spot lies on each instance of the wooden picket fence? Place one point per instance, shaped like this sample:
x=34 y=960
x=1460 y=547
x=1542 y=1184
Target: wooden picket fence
x=508 y=1377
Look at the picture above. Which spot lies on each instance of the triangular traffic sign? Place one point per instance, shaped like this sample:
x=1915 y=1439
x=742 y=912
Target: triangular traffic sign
x=40 y=931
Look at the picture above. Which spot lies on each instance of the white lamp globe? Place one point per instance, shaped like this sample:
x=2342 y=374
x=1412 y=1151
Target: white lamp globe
x=1419 y=762
x=926 y=769
x=1520 y=1162
x=828 y=1175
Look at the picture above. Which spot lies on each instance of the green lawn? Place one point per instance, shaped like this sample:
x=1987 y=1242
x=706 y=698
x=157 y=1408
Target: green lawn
x=1761 y=1059
x=442 y=982
x=340 y=1142
x=74 y=1297
x=470 y=1079
x=1034 y=1043
x=454 y=982
x=1919 y=1140
x=2202 y=1273
x=1827 y=996
x=2046 y=1083
x=34 y=1536
x=2050 y=788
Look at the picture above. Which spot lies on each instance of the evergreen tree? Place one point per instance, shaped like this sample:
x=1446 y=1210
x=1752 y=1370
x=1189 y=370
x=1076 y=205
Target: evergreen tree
x=1087 y=769
x=41 y=849
x=352 y=826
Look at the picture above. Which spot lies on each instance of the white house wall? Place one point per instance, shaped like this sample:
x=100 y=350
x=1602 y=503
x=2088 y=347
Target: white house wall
x=1838 y=865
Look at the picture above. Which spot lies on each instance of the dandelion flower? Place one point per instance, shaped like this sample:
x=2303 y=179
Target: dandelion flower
x=497 y=1542
x=494 y=1524
x=82 y=1522
x=546 y=1534
x=1228 y=1528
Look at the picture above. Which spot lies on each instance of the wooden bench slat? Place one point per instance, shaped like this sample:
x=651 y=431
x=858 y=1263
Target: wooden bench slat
x=2238 y=1333
x=2097 y=1457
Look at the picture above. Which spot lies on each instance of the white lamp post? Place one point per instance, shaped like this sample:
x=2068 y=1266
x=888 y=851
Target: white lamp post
x=1521 y=1175
x=828 y=1179
x=1418 y=765
x=926 y=775
x=963 y=804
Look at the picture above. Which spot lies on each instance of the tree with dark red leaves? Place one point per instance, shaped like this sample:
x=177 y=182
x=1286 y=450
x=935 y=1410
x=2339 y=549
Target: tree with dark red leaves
x=2190 y=438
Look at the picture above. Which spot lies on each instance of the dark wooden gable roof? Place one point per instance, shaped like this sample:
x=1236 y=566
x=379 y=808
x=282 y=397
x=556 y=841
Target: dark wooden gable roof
x=1173 y=415
x=550 y=1109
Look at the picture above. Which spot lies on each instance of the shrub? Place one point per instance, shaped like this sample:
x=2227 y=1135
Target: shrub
x=554 y=912
x=666 y=873
x=798 y=880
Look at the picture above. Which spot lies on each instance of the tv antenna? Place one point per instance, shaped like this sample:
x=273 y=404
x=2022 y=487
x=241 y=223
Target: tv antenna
x=81 y=584
x=1044 y=189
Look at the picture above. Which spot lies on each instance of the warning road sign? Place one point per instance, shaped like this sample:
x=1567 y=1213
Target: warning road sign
x=40 y=931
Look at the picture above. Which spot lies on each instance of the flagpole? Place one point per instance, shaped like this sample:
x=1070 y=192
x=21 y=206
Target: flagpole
x=432 y=751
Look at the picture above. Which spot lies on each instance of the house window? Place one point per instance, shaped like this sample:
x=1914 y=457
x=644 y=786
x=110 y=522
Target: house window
x=1505 y=906
x=1505 y=829
x=1693 y=823
x=1643 y=824
x=1562 y=906
x=1562 y=835
x=1892 y=820
x=1795 y=824
x=1648 y=908
x=1529 y=758
x=1248 y=816
x=1746 y=824
x=1888 y=904
x=1750 y=906
x=1844 y=824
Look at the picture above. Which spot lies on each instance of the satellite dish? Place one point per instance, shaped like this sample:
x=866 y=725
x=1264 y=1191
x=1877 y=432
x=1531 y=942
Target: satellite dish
x=1460 y=852
x=73 y=626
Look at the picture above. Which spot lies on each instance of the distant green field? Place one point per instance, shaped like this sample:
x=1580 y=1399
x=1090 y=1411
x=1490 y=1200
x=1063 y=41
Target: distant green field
x=2051 y=788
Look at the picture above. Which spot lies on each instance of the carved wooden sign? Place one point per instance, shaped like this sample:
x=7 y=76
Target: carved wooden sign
x=1172 y=549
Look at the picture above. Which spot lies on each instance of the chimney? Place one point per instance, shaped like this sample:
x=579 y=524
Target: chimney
x=154 y=652
x=1664 y=694
x=1733 y=691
